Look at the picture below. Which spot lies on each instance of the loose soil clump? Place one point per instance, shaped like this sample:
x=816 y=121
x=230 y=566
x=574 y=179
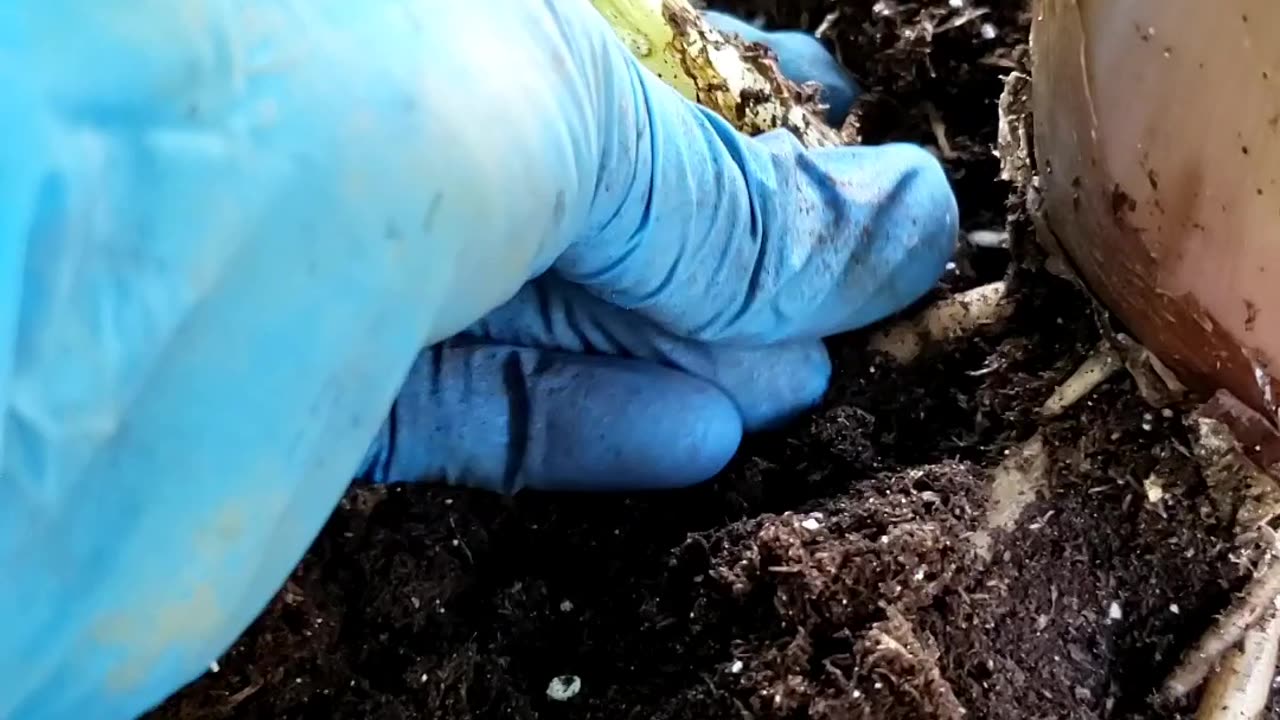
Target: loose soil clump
x=843 y=568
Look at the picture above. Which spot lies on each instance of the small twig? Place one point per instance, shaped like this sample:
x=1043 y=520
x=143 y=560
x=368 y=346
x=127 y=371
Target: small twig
x=828 y=22
x=1239 y=689
x=244 y=694
x=458 y=541
x=939 y=131
x=1094 y=371
x=966 y=17
x=1200 y=660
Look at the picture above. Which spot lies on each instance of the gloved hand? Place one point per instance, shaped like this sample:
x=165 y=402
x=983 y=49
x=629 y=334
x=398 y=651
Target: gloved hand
x=525 y=396
x=229 y=228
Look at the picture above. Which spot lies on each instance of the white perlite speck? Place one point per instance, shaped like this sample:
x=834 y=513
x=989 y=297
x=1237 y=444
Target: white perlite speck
x=564 y=687
x=736 y=667
x=1114 y=612
x=811 y=524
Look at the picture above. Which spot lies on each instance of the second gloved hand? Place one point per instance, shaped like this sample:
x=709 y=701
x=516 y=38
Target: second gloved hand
x=562 y=390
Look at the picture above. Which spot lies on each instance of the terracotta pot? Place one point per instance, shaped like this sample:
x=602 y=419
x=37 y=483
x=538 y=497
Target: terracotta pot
x=1157 y=141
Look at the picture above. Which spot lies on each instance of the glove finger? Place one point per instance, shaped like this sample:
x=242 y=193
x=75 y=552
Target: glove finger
x=769 y=384
x=802 y=58
x=718 y=236
x=505 y=418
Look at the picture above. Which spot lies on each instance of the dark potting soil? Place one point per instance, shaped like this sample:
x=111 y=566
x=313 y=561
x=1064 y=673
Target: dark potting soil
x=831 y=572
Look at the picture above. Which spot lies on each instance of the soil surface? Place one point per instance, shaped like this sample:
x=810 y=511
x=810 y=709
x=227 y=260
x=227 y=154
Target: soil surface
x=837 y=569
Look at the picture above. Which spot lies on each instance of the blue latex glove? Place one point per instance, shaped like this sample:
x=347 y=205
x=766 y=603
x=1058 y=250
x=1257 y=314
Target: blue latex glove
x=513 y=401
x=229 y=227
